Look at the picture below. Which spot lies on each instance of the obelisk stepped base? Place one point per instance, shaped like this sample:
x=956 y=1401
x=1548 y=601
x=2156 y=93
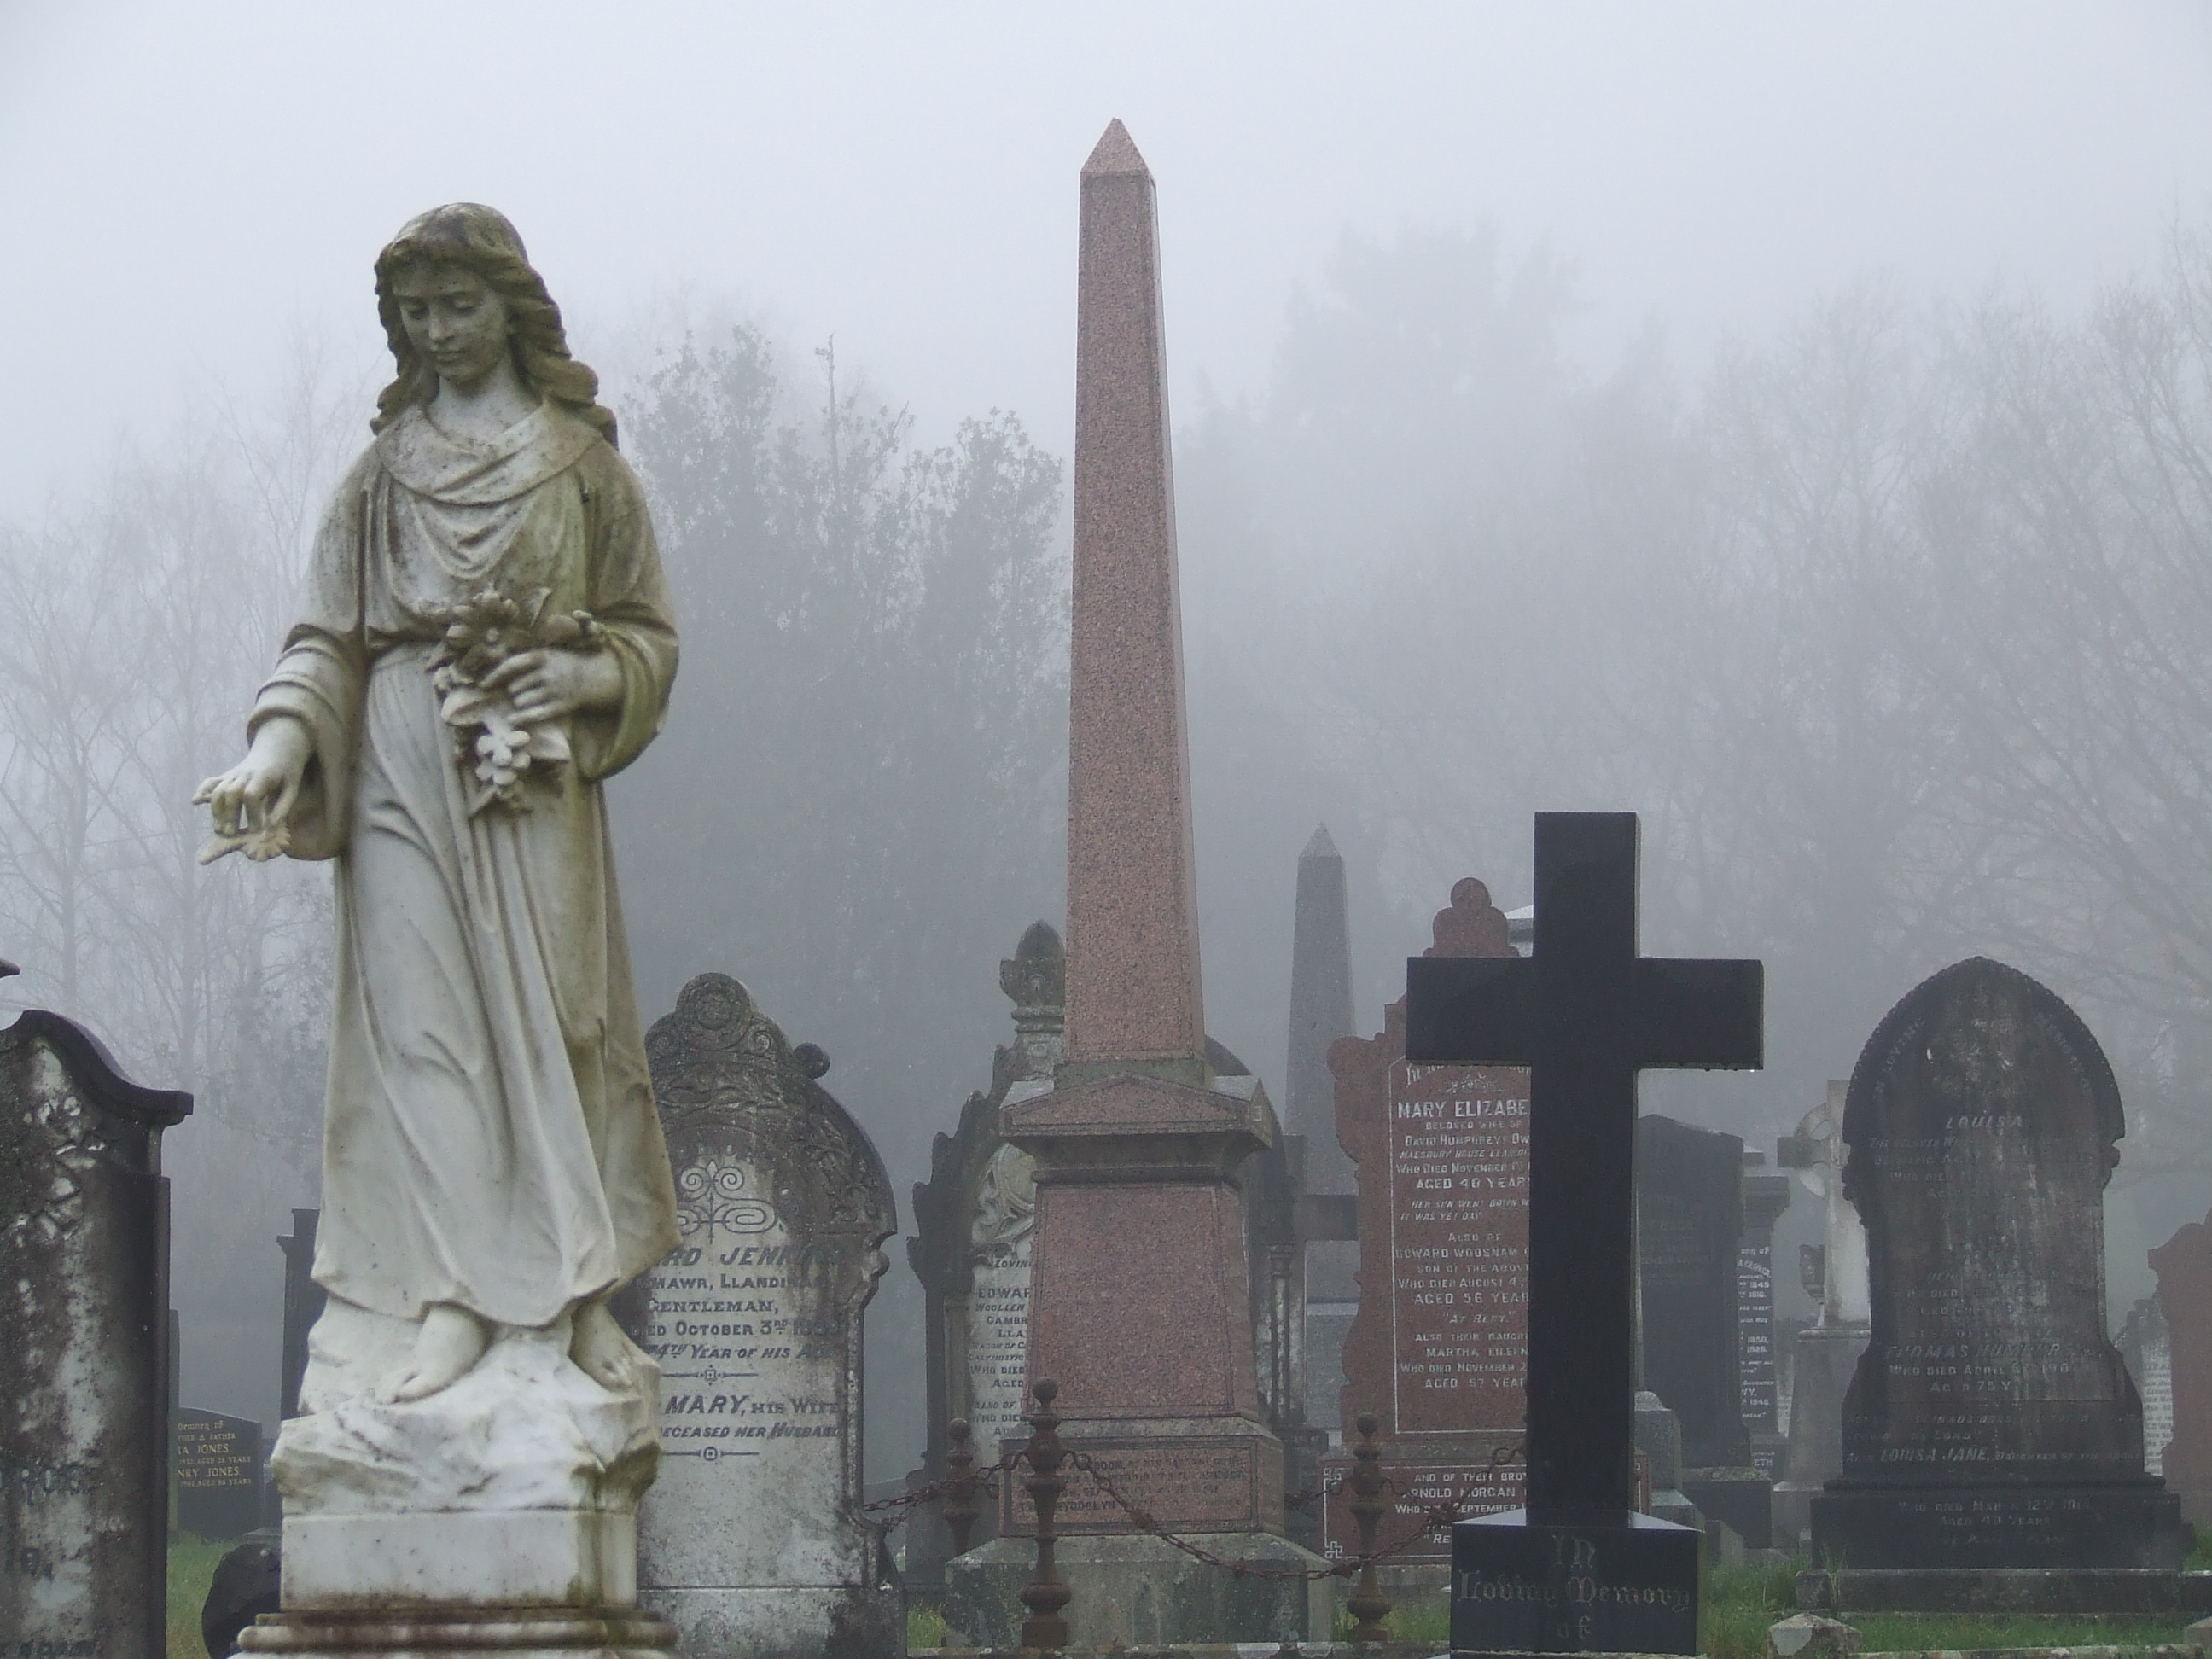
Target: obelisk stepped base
x=1144 y=1592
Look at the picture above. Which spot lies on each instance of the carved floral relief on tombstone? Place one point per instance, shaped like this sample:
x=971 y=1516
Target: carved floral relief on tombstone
x=84 y=1368
x=752 y=1541
x=1440 y=1348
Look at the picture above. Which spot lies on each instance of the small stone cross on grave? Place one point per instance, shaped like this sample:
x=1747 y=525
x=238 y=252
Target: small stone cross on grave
x=1585 y=1013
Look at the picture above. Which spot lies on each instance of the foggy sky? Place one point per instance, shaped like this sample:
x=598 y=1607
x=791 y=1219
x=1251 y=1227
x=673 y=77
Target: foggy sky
x=189 y=189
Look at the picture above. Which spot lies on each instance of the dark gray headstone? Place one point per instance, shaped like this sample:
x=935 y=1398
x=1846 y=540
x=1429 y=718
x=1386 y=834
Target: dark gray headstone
x=751 y=1539
x=303 y=1304
x=1991 y=1422
x=1689 y=1222
x=217 y=1467
x=245 y=1586
x=83 y=1369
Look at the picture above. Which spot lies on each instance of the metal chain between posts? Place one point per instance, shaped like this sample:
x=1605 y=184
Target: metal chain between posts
x=964 y=1483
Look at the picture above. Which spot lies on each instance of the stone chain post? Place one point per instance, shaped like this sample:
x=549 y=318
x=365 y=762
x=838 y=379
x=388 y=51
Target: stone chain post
x=960 y=1509
x=1045 y=1594
x=1368 y=1605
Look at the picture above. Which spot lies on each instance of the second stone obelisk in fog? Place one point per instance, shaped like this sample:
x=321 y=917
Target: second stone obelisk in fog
x=1139 y=1306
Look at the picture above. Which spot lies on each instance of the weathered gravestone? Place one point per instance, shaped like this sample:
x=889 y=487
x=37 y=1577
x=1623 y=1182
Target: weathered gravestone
x=1689 y=1229
x=2183 y=1265
x=1578 y=1569
x=2146 y=1347
x=1991 y=1422
x=84 y=1387
x=304 y=1301
x=218 y=1473
x=1765 y=1198
x=752 y=1541
x=973 y=1221
x=1439 y=1351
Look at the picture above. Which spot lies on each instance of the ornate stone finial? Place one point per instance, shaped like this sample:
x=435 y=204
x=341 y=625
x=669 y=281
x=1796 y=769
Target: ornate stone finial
x=1034 y=978
x=1047 y=1592
x=1471 y=926
x=1367 y=1604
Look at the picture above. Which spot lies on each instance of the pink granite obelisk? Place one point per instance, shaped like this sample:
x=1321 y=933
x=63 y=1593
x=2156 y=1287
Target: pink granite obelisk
x=1140 y=1305
x=1132 y=978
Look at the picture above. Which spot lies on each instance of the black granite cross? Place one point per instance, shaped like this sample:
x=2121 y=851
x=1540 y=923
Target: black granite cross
x=1585 y=1014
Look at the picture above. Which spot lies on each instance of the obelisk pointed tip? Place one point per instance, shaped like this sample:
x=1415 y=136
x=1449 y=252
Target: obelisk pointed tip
x=1320 y=846
x=1116 y=152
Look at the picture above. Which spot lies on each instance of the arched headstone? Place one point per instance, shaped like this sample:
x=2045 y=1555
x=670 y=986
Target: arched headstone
x=751 y=1540
x=85 y=1392
x=1991 y=1422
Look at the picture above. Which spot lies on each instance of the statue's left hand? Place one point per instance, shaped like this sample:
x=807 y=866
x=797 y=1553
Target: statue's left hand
x=551 y=683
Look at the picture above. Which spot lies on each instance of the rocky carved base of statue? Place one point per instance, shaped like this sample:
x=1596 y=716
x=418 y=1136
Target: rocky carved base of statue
x=498 y=1514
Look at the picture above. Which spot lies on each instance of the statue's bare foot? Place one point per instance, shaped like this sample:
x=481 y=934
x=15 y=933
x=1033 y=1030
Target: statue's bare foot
x=600 y=1349
x=449 y=1344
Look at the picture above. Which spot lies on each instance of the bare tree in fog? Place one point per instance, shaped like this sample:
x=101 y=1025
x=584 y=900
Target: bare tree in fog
x=139 y=619
x=858 y=801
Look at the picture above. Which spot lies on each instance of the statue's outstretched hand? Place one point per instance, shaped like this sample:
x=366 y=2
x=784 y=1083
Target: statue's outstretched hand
x=253 y=802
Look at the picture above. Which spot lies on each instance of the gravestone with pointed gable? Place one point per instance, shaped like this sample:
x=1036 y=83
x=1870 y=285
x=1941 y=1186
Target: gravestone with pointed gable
x=1991 y=1422
x=84 y=1383
x=1140 y=1282
x=1439 y=1352
x=751 y=1540
x=1578 y=1569
x=973 y=1221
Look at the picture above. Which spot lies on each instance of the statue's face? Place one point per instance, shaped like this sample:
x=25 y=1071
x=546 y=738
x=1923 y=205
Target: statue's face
x=456 y=320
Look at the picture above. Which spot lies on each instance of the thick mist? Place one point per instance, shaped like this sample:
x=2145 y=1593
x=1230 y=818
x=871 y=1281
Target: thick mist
x=1586 y=446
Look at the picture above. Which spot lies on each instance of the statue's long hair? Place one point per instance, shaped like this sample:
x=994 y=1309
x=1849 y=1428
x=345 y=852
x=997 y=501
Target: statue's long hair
x=480 y=238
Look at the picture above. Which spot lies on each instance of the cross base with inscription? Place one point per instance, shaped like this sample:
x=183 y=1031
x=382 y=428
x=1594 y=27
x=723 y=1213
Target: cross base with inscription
x=1620 y=1584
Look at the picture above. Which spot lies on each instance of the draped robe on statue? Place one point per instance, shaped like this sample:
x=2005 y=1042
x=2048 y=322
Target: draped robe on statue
x=491 y=1139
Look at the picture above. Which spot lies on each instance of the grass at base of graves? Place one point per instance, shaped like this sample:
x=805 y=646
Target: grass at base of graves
x=1740 y=1603
x=191 y=1565
x=925 y=1625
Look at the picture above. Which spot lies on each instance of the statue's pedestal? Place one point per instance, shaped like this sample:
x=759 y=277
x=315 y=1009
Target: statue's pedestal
x=513 y=1557
x=460 y=1632
x=498 y=1516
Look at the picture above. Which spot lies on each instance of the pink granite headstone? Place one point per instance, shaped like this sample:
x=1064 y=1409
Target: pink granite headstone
x=1439 y=1349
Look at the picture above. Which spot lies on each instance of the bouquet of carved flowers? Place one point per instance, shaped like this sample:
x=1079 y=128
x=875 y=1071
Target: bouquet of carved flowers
x=493 y=747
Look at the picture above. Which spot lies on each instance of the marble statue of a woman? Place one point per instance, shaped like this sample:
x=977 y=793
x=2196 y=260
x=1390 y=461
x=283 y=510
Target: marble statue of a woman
x=485 y=639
